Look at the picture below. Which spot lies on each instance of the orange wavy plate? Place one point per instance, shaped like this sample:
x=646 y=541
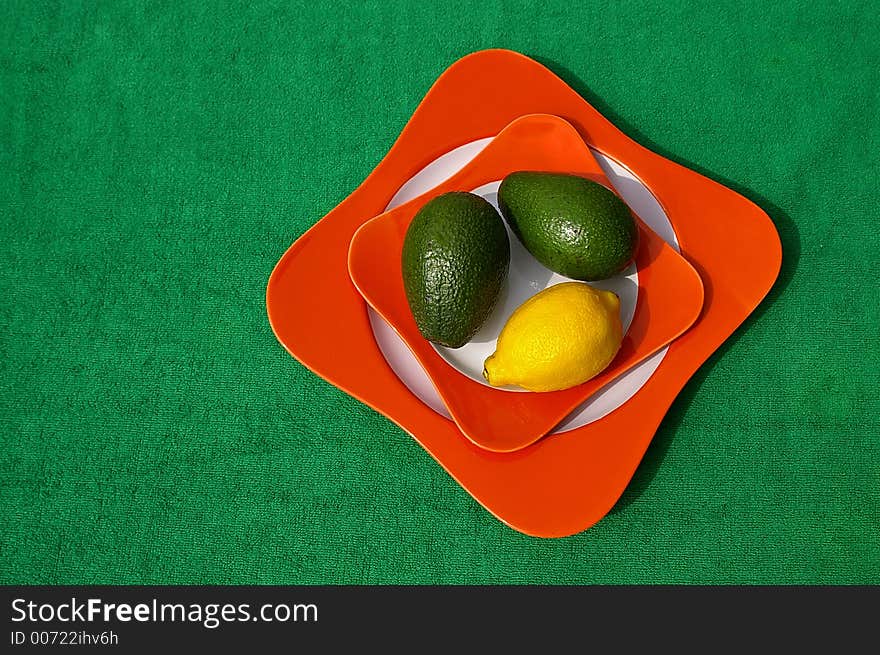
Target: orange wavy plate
x=669 y=300
x=566 y=482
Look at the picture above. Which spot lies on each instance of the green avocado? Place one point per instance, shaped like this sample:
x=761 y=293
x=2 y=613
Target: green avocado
x=455 y=260
x=572 y=225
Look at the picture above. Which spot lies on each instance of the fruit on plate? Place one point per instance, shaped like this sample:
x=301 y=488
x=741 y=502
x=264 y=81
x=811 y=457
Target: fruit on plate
x=572 y=225
x=455 y=260
x=559 y=338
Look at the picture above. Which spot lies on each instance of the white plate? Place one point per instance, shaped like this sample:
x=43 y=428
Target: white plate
x=526 y=278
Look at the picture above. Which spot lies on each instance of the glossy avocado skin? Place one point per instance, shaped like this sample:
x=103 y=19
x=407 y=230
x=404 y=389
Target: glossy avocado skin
x=572 y=225
x=455 y=259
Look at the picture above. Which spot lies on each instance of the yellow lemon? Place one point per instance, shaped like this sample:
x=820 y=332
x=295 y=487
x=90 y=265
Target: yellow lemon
x=558 y=338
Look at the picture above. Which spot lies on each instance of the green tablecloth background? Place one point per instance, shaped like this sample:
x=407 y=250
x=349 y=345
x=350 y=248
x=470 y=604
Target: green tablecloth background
x=158 y=158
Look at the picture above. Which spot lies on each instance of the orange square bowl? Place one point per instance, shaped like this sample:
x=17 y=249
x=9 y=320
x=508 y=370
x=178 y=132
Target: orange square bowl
x=669 y=299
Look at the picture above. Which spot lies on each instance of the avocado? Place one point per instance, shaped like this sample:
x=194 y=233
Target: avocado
x=455 y=260
x=572 y=225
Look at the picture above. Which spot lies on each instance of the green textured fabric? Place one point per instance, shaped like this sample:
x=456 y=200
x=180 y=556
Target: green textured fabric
x=158 y=158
